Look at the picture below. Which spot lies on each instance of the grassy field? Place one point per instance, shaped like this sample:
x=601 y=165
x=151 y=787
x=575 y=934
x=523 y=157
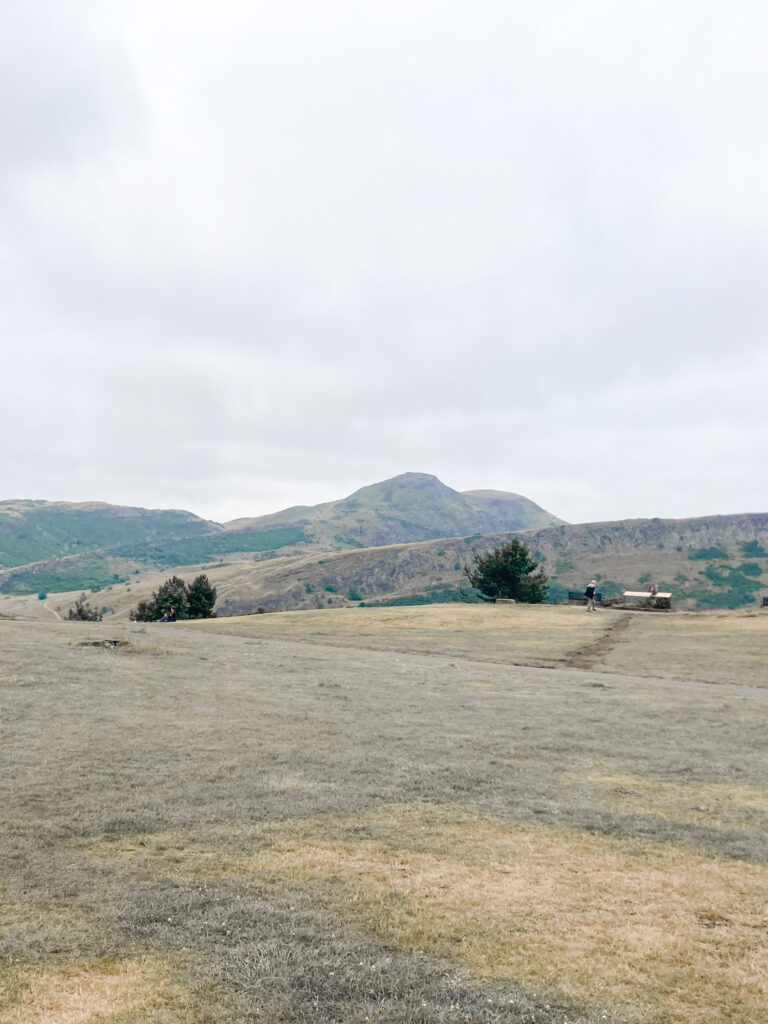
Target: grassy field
x=436 y=814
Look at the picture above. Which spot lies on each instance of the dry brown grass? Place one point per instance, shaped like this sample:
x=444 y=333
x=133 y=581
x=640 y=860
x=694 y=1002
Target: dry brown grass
x=717 y=804
x=601 y=834
x=84 y=993
x=542 y=635
x=713 y=647
x=651 y=928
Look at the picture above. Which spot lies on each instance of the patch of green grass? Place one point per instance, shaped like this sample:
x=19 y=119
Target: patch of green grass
x=609 y=588
x=195 y=550
x=707 y=554
x=91 y=574
x=556 y=592
x=739 y=586
x=348 y=542
x=750 y=569
x=433 y=595
x=753 y=549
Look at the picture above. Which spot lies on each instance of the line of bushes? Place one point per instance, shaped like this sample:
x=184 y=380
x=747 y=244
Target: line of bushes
x=178 y=600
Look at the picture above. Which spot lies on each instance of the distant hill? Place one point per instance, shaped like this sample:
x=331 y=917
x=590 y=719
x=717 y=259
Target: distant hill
x=405 y=539
x=60 y=546
x=707 y=562
x=409 y=507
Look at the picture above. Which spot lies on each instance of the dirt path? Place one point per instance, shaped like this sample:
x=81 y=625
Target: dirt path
x=588 y=656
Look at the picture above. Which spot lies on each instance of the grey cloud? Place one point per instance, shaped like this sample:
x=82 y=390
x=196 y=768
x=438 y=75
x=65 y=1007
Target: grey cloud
x=371 y=238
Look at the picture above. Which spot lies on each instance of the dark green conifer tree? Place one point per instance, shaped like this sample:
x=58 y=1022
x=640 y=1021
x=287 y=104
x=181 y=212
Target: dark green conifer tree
x=508 y=571
x=201 y=598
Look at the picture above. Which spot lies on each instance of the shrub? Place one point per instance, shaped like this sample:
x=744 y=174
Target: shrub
x=707 y=554
x=556 y=593
x=750 y=569
x=753 y=549
x=82 y=611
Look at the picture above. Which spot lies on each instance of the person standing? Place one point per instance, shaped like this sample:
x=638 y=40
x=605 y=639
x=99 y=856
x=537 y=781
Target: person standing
x=589 y=593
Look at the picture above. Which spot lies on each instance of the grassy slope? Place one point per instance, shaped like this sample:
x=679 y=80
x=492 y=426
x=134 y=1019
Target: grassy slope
x=32 y=531
x=373 y=814
x=411 y=507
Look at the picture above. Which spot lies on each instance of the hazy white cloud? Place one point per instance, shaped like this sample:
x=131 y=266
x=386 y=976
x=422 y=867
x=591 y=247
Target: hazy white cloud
x=253 y=255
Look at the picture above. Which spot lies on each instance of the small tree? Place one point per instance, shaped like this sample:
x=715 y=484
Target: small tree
x=172 y=594
x=82 y=611
x=201 y=597
x=508 y=571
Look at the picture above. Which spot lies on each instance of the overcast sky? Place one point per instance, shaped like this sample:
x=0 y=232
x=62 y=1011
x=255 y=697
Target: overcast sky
x=256 y=254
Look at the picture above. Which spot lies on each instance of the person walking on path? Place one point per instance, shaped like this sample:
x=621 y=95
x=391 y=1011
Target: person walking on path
x=589 y=593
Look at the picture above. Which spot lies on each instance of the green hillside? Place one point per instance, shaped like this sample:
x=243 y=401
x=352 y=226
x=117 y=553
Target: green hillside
x=34 y=531
x=410 y=507
x=99 y=569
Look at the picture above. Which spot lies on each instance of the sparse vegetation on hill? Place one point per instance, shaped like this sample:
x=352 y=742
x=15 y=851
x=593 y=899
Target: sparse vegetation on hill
x=207 y=547
x=82 y=611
